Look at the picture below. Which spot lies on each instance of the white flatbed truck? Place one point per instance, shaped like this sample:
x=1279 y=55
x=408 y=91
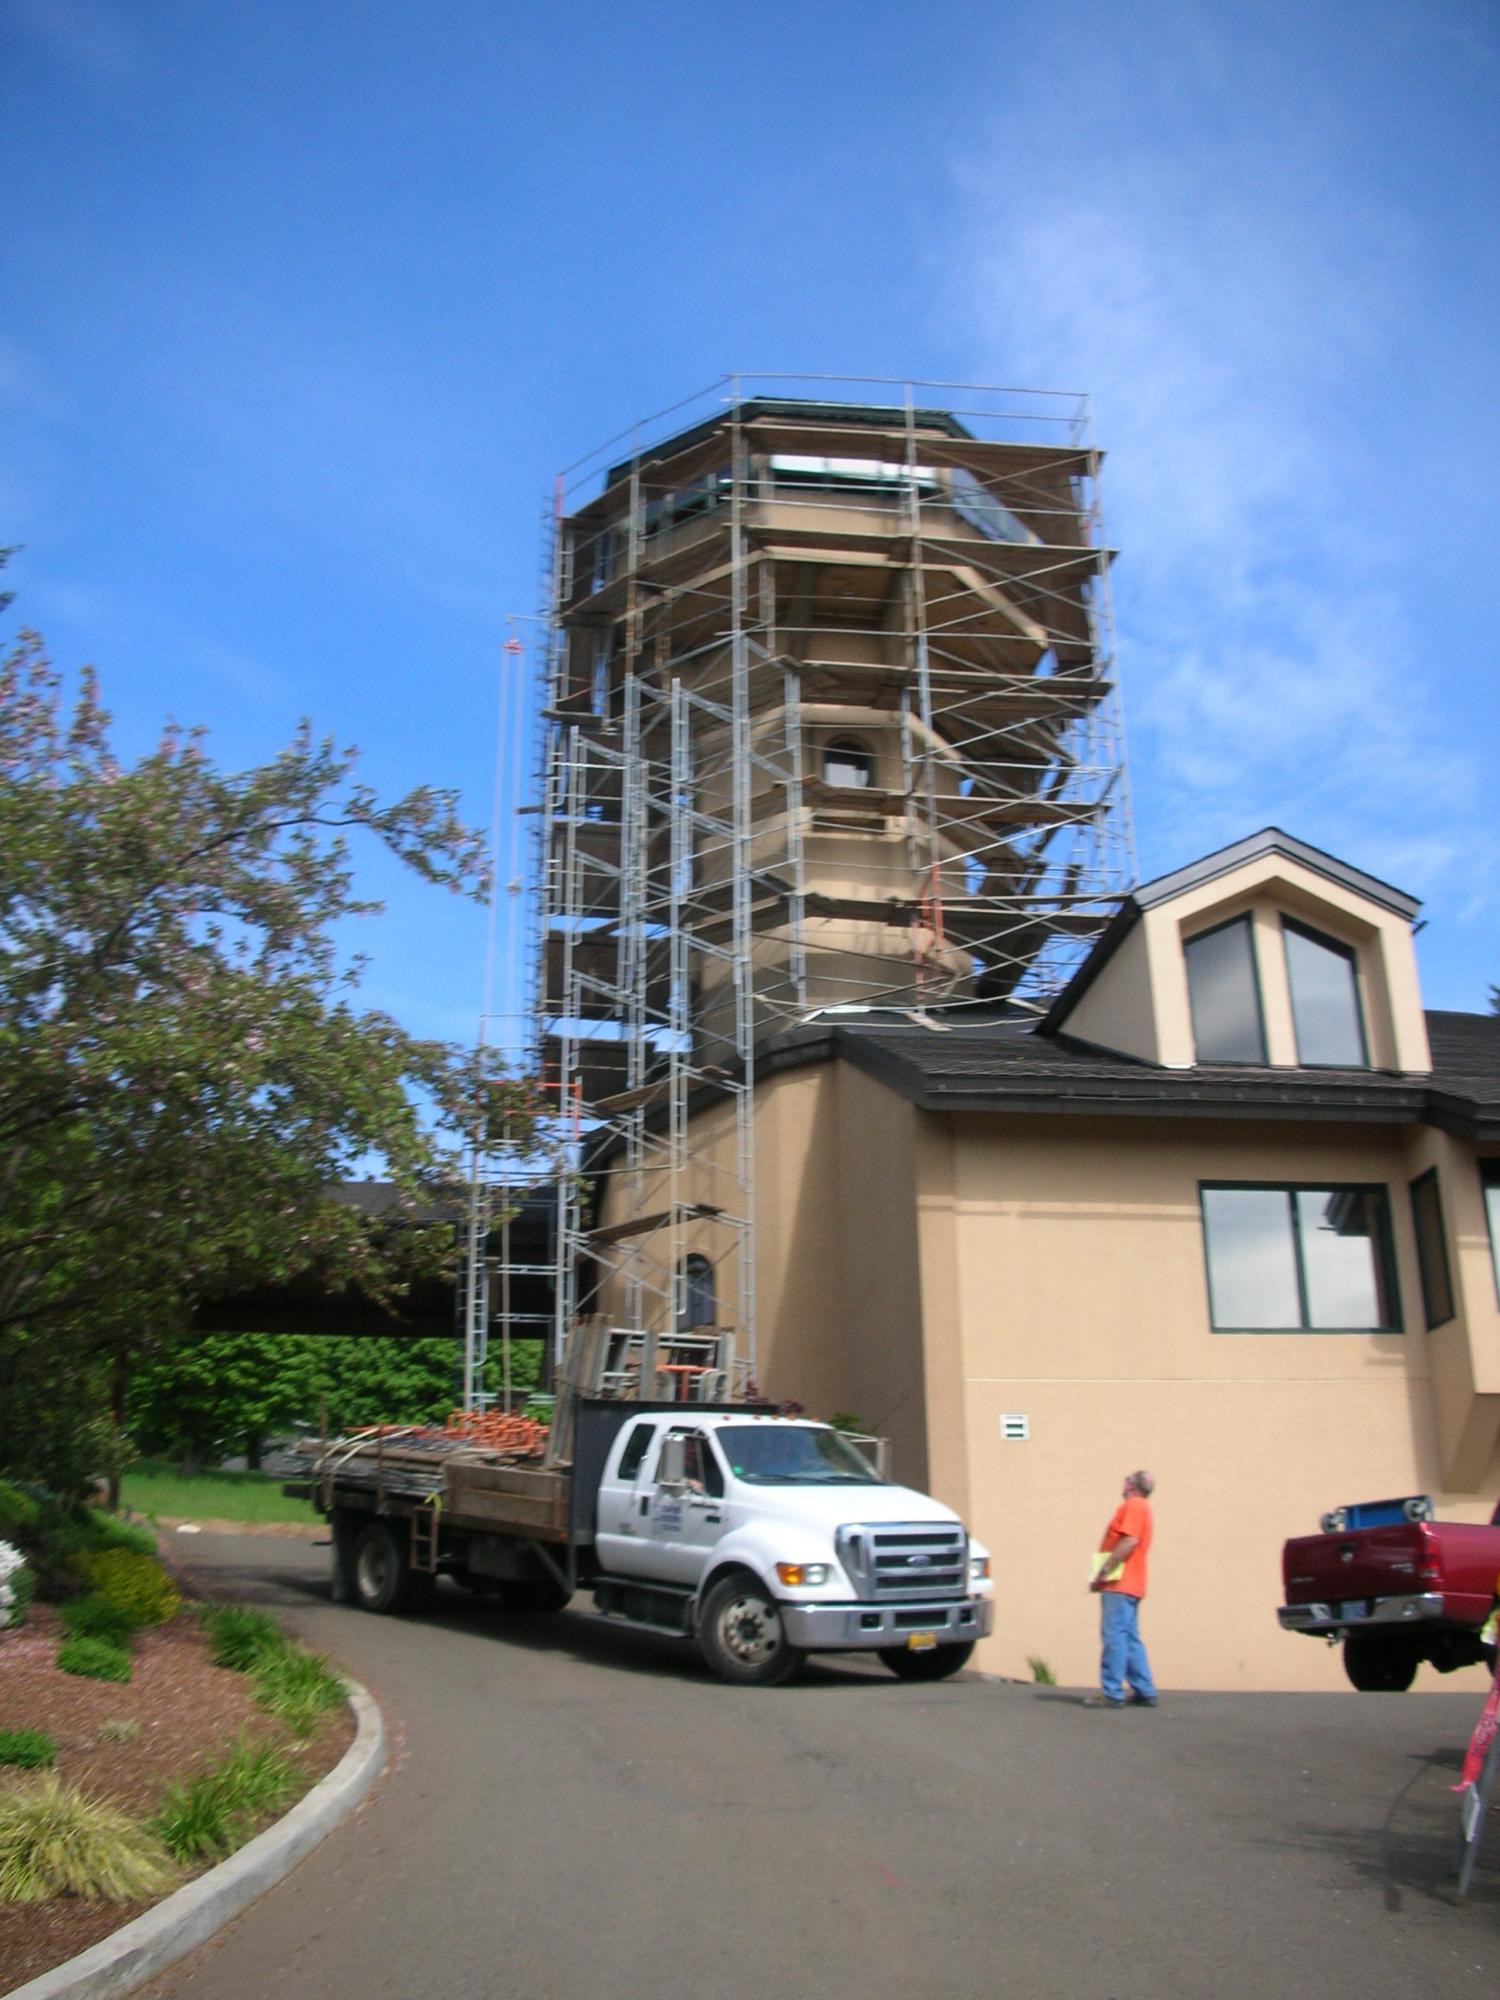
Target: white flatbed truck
x=761 y=1538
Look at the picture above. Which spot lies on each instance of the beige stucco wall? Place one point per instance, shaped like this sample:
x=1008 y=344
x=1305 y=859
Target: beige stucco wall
x=839 y=1311
x=1081 y=1298
x=931 y=1273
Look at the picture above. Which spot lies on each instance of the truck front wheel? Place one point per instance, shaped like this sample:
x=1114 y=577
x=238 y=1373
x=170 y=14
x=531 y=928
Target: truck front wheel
x=382 y=1570
x=1377 y=1665
x=934 y=1665
x=742 y=1637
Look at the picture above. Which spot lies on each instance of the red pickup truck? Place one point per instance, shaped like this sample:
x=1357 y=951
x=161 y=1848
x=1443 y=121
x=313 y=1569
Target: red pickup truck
x=1397 y=1587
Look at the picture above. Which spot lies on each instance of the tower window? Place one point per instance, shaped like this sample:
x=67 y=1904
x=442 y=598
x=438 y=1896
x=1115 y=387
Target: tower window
x=848 y=764
x=697 y=1304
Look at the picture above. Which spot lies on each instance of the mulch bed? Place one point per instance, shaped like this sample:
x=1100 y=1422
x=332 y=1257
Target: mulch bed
x=188 y=1711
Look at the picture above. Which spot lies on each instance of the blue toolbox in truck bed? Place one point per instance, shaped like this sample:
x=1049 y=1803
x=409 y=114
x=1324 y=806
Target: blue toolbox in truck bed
x=1377 y=1514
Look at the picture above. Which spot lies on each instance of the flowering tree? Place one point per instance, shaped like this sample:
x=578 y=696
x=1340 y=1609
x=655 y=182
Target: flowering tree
x=186 y=1068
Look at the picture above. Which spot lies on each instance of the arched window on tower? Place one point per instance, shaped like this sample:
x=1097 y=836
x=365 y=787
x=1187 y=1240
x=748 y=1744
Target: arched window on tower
x=697 y=1303
x=848 y=764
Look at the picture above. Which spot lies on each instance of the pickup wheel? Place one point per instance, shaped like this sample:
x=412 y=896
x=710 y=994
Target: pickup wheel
x=1377 y=1665
x=934 y=1665
x=741 y=1635
x=382 y=1570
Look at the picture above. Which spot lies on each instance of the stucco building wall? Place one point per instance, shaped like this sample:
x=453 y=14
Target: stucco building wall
x=931 y=1273
x=1081 y=1298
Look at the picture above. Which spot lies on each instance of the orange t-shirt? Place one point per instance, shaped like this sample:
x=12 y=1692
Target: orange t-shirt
x=1131 y=1517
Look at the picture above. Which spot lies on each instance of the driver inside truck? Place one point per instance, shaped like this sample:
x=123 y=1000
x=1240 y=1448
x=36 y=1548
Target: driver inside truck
x=701 y=1472
x=692 y=1463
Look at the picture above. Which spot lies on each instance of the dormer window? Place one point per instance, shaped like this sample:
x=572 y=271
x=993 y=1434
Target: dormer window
x=1325 y=1000
x=1224 y=994
x=848 y=765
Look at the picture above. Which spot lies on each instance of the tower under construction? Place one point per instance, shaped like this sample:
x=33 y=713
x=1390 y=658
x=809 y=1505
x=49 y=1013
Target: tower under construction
x=828 y=721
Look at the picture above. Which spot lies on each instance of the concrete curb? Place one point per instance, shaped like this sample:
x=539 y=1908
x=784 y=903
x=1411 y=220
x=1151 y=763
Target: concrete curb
x=191 y=1915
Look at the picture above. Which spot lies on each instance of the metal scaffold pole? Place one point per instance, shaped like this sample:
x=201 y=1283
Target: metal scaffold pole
x=829 y=720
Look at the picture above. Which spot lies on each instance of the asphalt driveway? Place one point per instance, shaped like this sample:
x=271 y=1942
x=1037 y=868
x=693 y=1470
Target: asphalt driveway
x=576 y=1810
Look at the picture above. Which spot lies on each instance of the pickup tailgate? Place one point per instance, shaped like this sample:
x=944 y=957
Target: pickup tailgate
x=1363 y=1562
x=1399 y=1561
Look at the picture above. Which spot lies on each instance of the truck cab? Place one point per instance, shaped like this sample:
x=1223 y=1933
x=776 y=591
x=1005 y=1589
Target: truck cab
x=767 y=1538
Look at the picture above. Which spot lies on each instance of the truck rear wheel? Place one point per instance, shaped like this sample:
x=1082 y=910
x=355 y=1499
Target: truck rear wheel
x=382 y=1568
x=934 y=1665
x=1377 y=1665
x=742 y=1637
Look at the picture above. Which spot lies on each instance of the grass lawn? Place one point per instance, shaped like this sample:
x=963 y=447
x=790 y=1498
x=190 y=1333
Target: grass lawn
x=151 y=1487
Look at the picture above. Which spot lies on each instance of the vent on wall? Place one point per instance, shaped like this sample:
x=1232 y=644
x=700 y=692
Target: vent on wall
x=1015 y=1429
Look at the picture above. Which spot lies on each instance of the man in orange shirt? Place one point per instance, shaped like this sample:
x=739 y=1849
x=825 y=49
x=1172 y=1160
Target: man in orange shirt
x=1120 y=1579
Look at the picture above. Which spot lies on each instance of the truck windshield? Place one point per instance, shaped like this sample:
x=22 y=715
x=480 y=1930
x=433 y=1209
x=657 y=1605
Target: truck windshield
x=796 y=1456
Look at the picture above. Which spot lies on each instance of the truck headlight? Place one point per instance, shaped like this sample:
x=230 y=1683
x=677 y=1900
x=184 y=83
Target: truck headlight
x=979 y=1568
x=795 y=1575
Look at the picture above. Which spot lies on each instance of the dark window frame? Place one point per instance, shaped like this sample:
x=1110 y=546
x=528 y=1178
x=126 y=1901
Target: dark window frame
x=1489 y=1178
x=1340 y=950
x=697 y=1282
x=1246 y=918
x=1387 y=1272
x=1437 y=1309
x=633 y=1457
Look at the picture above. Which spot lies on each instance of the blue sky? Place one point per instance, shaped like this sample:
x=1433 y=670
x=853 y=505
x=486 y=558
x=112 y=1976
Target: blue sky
x=302 y=304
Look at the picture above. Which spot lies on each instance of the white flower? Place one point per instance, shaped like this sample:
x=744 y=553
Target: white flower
x=11 y=1559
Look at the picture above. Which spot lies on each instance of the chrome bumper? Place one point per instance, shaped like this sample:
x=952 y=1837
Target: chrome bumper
x=825 y=1628
x=1360 y=1612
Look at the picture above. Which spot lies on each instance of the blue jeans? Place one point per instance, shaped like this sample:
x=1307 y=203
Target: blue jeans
x=1123 y=1665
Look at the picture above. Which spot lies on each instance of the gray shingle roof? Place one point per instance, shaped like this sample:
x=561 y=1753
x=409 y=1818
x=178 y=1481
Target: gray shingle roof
x=1006 y=1065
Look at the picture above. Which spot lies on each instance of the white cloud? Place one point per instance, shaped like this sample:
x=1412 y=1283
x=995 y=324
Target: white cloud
x=1228 y=293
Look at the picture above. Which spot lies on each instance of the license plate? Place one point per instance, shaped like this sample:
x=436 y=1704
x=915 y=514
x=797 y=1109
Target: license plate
x=1354 y=1608
x=920 y=1642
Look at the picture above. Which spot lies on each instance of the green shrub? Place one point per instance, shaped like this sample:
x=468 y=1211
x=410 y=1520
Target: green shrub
x=64 y=1533
x=28 y=1749
x=94 y=1659
x=240 y=1638
x=297 y=1687
x=136 y=1583
x=57 y=1841
x=109 y=1532
x=213 y=1813
x=19 y=1510
x=120 y=1729
x=97 y=1618
x=1041 y=1673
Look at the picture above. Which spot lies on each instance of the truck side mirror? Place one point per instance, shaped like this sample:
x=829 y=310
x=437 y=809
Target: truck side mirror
x=671 y=1466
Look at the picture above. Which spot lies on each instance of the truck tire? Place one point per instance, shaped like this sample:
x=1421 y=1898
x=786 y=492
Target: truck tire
x=934 y=1665
x=1377 y=1665
x=539 y=1594
x=382 y=1568
x=741 y=1636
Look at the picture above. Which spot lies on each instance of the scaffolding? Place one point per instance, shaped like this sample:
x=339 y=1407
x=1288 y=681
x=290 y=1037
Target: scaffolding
x=829 y=722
